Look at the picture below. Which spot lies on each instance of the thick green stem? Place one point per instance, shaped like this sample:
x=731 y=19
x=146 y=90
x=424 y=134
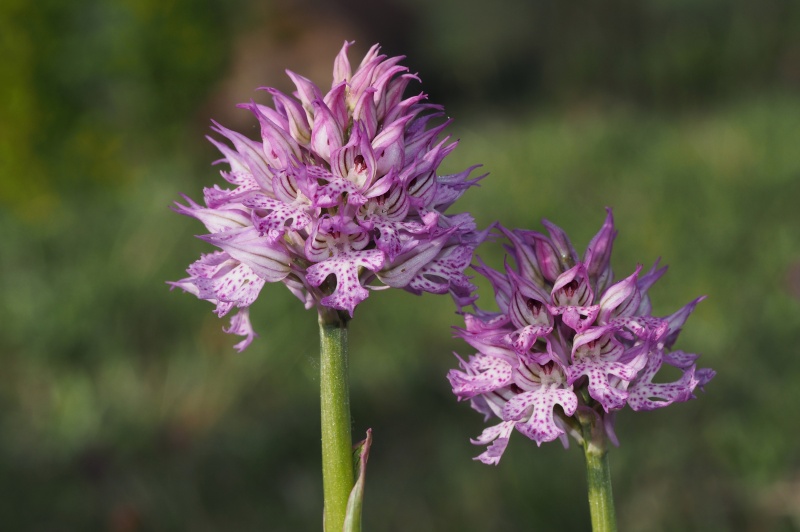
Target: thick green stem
x=598 y=474
x=337 y=445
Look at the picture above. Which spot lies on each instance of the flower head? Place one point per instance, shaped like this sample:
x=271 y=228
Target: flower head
x=567 y=335
x=340 y=192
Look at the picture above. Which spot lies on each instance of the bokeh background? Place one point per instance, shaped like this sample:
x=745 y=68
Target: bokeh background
x=123 y=406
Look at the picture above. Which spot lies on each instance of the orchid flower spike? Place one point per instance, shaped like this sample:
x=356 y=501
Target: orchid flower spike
x=566 y=339
x=340 y=194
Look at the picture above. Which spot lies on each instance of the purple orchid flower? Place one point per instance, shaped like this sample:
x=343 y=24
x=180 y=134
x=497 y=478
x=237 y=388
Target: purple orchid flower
x=566 y=335
x=339 y=195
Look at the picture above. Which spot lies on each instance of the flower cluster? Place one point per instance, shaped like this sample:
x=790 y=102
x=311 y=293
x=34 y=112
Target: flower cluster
x=340 y=192
x=567 y=335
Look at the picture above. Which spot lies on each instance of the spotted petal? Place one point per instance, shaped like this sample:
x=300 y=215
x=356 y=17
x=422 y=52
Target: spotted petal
x=240 y=325
x=345 y=268
x=273 y=217
x=482 y=374
x=644 y=394
x=405 y=267
x=443 y=272
x=537 y=406
x=498 y=437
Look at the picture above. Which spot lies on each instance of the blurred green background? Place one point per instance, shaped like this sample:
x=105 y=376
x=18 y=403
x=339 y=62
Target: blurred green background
x=123 y=406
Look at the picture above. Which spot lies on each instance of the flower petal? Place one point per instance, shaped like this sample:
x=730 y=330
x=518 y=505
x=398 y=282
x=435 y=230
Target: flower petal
x=611 y=396
x=240 y=325
x=215 y=220
x=598 y=254
x=646 y=395
x=572 y=288
x=444 y=272
x=498 y=436
x=345 y=268
x=537 y=406
x=676 y=321
x=273 y=217
x=400 y=272
x=482 y=374
x=326 y=134
x=621 y=299
x=269 y=260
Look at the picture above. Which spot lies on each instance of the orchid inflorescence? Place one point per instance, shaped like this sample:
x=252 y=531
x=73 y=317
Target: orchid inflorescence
x=568 y=341
x=341 y=192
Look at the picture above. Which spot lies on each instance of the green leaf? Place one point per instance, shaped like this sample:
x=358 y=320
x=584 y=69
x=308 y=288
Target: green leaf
x=352 y=520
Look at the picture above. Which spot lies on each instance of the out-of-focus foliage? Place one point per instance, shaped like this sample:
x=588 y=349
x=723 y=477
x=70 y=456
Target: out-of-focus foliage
x=661 y=53
x=91 y=89
x=123 y=406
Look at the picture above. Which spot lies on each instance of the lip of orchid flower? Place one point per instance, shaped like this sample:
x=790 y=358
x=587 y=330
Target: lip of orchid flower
x=340 y=194
x=567 y=338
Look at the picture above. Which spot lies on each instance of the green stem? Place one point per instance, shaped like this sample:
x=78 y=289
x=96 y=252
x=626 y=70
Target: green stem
x=598 y=474
x=337 y=445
